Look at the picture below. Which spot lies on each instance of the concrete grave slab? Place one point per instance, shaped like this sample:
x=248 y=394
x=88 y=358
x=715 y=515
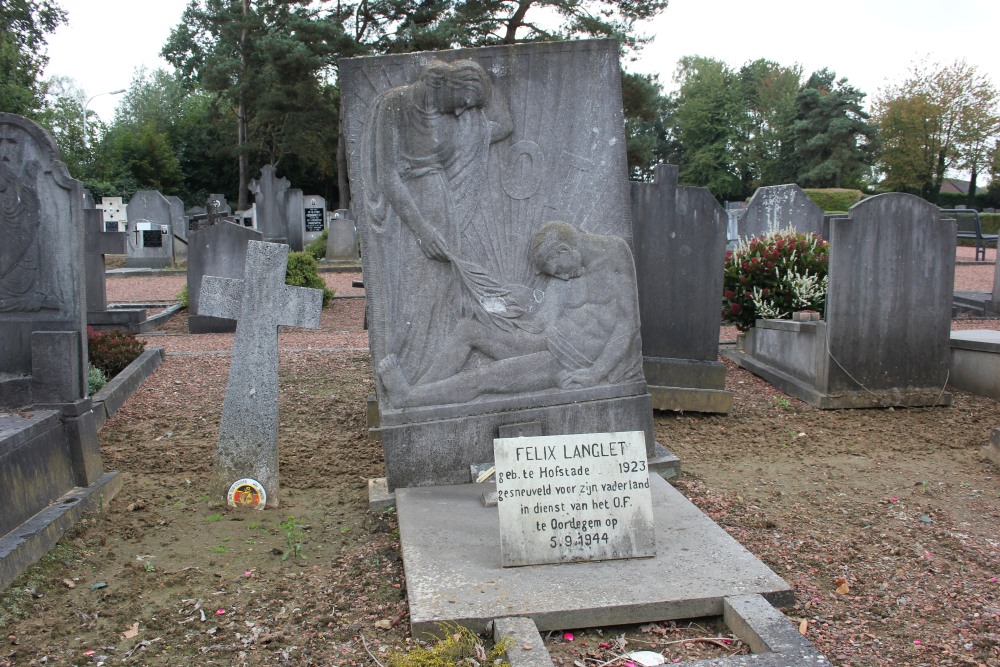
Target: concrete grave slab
x=780 y=207
x=342 y=242
x=150 y=231
x=975 y=362
x=696 y=567
x=218 y=250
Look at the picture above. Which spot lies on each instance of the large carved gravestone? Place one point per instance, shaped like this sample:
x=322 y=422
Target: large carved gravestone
x=885 y=338
x=271 y=203
x=219 y=250
x=150 y=231
x=680 y=241
x=494 y=218
x=260 y=302
x=48 y=430
x=780 y=207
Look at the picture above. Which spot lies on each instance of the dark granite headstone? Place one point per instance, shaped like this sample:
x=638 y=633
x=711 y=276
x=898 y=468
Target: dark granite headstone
x=477 y=318
x=885 y=338
x=680 y=245
x=219 y=250
x=313 y=218
x=260 y=303
x=150 y=235
x=780 y=207
x=271 y=203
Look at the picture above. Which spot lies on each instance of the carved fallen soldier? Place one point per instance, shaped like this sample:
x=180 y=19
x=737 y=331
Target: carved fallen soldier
x=583 y=332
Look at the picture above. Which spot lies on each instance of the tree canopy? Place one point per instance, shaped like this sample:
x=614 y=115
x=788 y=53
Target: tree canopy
x=24 y=29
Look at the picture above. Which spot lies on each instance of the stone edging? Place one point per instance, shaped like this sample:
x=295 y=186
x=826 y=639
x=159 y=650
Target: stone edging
x=113 y=395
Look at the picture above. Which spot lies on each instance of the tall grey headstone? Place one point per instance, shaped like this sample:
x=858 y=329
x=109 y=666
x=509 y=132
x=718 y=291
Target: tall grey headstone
x=778 y=207
x=179 y=227
x=150 y=235
x=219 y=250
x=885 y=338
x=48 y=429
x=295 y=219
x=260 y=303
x=313 y=218
x=270 y=202
x=342 y=240
x=680 y=246
x=485 y=311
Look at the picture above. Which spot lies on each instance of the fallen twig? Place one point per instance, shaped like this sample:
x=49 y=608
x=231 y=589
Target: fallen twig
x=370 y=654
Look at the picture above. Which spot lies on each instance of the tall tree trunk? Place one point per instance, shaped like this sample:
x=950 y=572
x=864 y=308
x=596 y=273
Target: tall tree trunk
x=972 y=188
x=241 y=131
x=516 y=21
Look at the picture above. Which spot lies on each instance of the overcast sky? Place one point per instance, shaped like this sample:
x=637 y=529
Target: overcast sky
x=871 y=42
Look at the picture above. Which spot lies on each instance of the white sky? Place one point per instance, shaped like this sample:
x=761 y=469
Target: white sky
x=871 y=42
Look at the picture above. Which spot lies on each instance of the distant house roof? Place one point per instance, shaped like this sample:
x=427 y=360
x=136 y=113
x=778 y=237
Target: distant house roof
x=955 y=185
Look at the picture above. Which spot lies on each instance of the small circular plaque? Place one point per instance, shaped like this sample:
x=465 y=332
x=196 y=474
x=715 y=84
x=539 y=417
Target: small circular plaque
x=247 y=493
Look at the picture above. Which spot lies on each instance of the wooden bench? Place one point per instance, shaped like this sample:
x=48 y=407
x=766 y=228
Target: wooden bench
x=969 y=227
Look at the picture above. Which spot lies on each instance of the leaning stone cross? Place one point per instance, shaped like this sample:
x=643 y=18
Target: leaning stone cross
x=260 y=303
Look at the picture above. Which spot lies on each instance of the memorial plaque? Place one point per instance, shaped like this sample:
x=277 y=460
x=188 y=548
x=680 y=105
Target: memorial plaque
x=314 y=219
x=567 y=498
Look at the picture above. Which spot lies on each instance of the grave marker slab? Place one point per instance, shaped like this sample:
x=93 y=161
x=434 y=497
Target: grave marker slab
x=569 y=498
x=491 y=179
x=260 y=303
x=219 y=250
x=885 y=338
x=680 y=241
x=270 y=203
x=778 y=207
x=115 y=215
x=99 y=243
x=342 y=242
x=150 y=235
x=295 y=219
x=313 y=218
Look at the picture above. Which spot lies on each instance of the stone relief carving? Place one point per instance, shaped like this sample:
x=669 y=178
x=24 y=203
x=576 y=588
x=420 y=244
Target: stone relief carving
x=22 y=285
x=583 y=330
x=425 y=158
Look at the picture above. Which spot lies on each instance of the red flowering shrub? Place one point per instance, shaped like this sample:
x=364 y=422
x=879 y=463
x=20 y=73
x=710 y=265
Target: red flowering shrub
x=772 y=276
x=113 y=351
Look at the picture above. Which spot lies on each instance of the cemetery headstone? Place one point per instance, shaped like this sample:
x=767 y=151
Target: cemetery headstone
x=342 y=240
x=179 y=227
x=680 y=241
x=779 y=207
x=270 y=203
x=150 y=235
x=98 y=244
x=568 y=498
x=48 y=436
x=495 y=234
x=294 y=219
x=314 y=218
x=885 y=337
x=260 y=302
x=115 y=214
x=219 y=250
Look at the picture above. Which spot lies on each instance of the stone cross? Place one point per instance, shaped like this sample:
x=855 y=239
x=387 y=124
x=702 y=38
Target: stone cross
x=270 y=194
x=99 y=243
x=260 y=303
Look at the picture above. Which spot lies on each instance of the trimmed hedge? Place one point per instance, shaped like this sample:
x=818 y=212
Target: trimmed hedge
x=834 y=199
x=302 y=272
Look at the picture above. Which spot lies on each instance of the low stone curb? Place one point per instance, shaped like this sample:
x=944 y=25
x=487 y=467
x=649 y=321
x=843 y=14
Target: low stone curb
x=773 y=639
x=113 y=395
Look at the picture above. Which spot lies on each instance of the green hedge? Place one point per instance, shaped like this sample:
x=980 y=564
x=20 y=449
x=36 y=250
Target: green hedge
x=302 y=272
x=834 y=199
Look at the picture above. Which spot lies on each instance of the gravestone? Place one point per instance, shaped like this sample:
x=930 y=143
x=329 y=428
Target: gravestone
x=461 y=164
x=115 y=215
x=780 y=207
x=680 y=241
x=98 y=244
x=313 y=218
x=150 y=235
x=270 y=202
x=260 y=302
x=342 y=240
x=570 y=498
x=216 y=204
x=294 y=218
x=179 y=226
x=49 y=453
x=885 y=338
x=219 y=250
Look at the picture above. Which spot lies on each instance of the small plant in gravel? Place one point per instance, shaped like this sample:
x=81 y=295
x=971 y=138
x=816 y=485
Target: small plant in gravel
x=302 y=271
x=317 y=248
x=113 y=351
x=774 y=275
x=458 y=646
x=293 y=538
x=95 y=379
x=184 y=297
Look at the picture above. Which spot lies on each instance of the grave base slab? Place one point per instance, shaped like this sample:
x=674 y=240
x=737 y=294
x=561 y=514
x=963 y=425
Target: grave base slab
x=687 y=385
x=697 y=565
